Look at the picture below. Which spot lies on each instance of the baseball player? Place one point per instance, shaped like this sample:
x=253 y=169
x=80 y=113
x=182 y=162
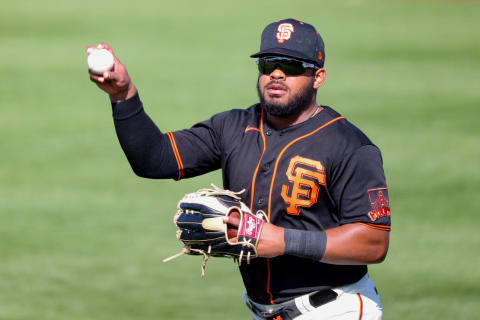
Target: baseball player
x=316 y=176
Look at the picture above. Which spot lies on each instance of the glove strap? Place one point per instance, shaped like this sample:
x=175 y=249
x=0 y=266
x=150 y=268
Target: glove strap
x=250 y=227
x=249 y=231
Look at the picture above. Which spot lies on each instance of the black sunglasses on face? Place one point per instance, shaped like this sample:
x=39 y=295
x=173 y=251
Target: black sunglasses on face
x=289 y=66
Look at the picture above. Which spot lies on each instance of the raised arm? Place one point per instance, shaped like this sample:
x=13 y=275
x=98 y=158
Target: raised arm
x=151 y=153
x=145 y=146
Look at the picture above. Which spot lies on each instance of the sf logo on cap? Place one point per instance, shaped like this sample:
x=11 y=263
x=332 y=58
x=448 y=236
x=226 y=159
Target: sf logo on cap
x=284 y=32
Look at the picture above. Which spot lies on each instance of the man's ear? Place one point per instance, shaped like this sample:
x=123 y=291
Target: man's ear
x=319 y=76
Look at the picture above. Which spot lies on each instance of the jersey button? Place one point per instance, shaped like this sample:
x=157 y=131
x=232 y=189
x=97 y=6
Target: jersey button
x=266 y=166
x=260 y=202
x=268 y=132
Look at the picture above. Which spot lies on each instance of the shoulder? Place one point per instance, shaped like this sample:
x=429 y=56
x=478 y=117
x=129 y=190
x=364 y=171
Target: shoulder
x=237 y=115
x=229 y=125
x=234 y=119
x=249 y=114
x=345 y=135
x=346 y=140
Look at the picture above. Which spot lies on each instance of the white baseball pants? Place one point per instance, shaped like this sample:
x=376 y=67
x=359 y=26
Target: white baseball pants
x=357 y=301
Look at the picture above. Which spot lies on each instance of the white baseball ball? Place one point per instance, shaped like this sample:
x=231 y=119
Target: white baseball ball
x=100 y=60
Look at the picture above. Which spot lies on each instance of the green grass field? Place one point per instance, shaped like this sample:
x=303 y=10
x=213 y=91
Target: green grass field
x=81 y=237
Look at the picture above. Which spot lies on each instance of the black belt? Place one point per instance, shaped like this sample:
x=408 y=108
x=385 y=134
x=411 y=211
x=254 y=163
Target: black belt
x=289 y=310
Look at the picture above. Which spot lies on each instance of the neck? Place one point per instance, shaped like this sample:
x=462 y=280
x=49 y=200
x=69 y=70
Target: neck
x=291 y=120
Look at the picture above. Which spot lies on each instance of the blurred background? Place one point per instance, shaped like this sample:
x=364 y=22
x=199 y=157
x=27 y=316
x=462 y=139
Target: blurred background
x=81 y=237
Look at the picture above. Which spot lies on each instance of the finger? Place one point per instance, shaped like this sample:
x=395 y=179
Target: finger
x=90 y=49
x=96 y=78
x=106 y=46
x=110 y=75
x=232 y=234
x=234 y=214
x=232 y=219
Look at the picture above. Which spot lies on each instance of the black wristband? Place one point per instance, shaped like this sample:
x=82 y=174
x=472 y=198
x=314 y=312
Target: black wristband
x=305 y=244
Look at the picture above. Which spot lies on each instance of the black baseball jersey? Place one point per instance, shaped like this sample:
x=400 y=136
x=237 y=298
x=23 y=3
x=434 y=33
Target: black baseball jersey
x=315 y=175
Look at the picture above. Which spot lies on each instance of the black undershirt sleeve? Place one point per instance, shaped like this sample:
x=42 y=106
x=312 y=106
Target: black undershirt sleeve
x=147 y=149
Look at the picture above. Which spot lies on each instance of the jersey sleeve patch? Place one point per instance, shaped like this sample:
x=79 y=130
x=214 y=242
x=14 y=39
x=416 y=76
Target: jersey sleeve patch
x=379 y=203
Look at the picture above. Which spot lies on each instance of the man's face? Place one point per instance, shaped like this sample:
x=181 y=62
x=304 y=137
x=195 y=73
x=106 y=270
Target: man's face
x=283 y=95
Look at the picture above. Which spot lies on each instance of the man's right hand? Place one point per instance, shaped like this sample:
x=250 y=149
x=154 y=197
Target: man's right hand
x=116 y=82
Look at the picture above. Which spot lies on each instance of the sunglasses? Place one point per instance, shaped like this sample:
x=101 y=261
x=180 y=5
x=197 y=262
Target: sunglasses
x=289 y=66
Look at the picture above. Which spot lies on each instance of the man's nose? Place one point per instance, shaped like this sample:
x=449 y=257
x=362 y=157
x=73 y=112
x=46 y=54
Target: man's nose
x=277 y=74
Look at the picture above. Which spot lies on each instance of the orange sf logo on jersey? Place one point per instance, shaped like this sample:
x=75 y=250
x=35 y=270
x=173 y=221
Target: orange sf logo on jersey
x=284 y=32
x=306 y=184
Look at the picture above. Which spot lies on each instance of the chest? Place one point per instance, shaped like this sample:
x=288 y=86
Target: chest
x=285 y=174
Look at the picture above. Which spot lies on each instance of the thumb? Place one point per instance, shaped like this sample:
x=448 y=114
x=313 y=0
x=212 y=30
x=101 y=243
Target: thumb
x=232 y=219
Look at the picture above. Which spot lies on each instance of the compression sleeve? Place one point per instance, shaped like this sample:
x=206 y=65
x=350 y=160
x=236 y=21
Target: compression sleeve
x=147 y=149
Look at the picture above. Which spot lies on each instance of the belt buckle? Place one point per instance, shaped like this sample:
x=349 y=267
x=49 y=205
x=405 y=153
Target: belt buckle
x=286 y=312
x=263 y=314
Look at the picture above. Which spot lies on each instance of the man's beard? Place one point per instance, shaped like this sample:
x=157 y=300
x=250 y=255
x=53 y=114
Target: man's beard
x=294 y=105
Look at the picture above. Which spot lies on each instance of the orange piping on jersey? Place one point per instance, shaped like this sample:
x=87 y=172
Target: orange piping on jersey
x=375 y=189
x=361 y=306
x=271 y=188
x=268 y=282
x=375 y=226
x=252 y=193
x=177 y=154
x=280 y=156
x=252 y=129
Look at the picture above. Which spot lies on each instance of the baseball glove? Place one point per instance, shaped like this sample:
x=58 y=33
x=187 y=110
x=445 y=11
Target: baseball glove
x=201 y=228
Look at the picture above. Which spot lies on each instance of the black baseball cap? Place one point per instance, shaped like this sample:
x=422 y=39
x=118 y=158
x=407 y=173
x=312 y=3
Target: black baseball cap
x=294 y=39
